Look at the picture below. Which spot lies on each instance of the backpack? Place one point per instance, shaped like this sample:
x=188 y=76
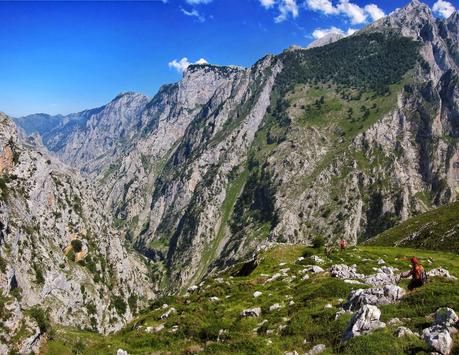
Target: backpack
x=420 y=274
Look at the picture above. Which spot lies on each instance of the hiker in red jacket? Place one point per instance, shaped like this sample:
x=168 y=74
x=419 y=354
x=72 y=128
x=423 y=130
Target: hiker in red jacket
x=343 y=244
x=417 y=273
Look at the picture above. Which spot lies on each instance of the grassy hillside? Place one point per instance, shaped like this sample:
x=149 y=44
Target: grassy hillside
x=214 y=326
x=435 y=230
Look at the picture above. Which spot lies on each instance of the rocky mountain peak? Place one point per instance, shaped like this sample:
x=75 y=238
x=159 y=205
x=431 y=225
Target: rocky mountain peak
x=327 y=39
x=410 y=20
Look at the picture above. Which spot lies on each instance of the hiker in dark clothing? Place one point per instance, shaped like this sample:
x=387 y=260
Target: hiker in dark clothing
x=417 y=273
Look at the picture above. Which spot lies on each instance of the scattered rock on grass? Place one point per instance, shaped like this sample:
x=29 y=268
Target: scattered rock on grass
x=275 y=307
x=447 y=317
x=374 y=296
x=364 y=321
x=257 y=294
x=252 y=312
x=440 y=272
x=192 y=289
x=317 y=259
x=394 y=321
x=438 y=338
x=318 y=349
x=343 y=271
x=314 y=269
x=166 y=315
x=404 y=331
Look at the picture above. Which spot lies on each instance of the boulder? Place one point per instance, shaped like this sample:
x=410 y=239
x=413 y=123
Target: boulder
x=440 y=272
x=214 y=299
x=438 y=338
x=353 y=282
x=192 y=289
x=317 y=259
x=446 y=317
x=394 y=321
x=383 y=276
x=257 y=294
x=275 y=307
x=156 y=329
x=342 y=271
x=314 y=269
x=403 y=331
x=374 y=296
x=166 y=315
x=252 y=312
x=121 y=352
x=318 y=349
x=274 y=277
x=381 y=262
x=364 y=321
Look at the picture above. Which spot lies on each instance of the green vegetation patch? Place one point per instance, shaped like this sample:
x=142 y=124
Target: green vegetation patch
x=436 y=230
x=302 y=321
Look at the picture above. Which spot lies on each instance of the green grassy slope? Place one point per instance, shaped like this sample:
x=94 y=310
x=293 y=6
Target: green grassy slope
x=436 y=230
x=294 y=327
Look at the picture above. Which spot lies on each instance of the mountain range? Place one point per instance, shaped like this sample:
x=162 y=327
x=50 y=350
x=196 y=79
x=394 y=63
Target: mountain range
x=108 y=208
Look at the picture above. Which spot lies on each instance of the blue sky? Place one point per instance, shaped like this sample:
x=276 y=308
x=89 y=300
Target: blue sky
x=63 y=57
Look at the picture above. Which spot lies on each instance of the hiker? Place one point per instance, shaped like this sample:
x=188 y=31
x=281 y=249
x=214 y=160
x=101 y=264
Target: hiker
x=342 y=244
x=417 y=273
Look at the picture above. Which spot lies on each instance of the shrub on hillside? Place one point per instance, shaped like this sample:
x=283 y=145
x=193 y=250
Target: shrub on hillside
x=318 y=242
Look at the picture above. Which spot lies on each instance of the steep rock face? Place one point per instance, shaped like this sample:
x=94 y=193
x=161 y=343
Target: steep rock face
x=187 y=219
x=97 y=139
x=40 y=123
x=58 y=251
x=342 y=140
x=129 y=184
x=333 y=156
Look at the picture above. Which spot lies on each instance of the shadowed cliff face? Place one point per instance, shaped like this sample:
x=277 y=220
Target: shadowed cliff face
x=343 y=140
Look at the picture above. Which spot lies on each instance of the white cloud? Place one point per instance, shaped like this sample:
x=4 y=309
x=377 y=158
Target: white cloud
x=267 y=3
x=197 y=2
x=201 y=61
x=287 y=7
x=374 y=11
x=193 y=13
x=354 y=12
x=322 y=32
x=325 y=6
x=443 y=8
x=183 y=64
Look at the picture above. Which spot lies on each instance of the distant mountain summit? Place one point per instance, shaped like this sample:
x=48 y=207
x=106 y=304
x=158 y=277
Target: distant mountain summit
x=327 y=39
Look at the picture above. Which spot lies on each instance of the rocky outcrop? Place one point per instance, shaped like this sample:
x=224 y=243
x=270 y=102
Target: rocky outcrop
x=374 y=296
x=343 y=271
x=440 y=272
x=438 y=336
x=438 y=339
